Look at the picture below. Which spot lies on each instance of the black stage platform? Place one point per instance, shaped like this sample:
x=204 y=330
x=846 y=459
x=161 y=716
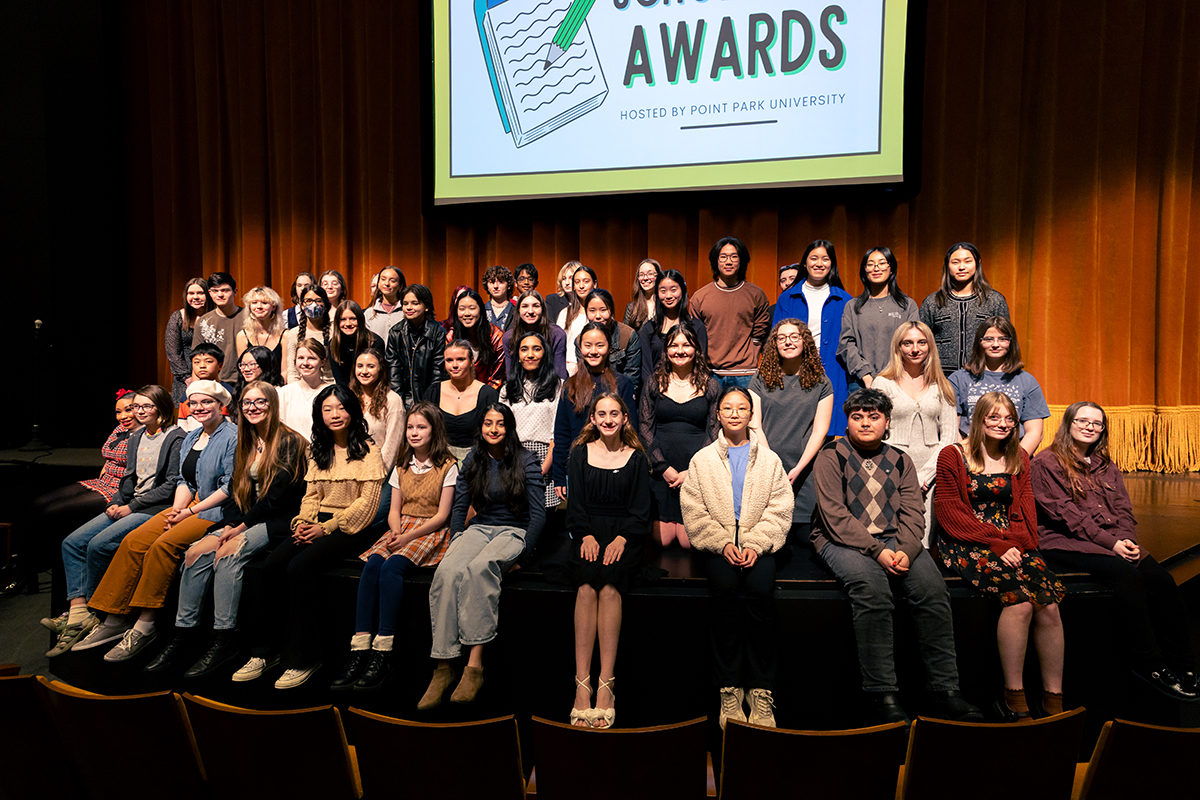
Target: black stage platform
x=663 y=666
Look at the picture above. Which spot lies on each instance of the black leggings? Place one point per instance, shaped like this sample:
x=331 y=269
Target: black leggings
x=39 y=534
x=742 y=622
x=1150 y=610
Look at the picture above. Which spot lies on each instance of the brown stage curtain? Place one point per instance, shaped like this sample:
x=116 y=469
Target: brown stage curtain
x=267 y=137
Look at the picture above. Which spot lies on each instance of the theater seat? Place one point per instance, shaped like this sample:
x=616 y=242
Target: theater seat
x=1136 y=760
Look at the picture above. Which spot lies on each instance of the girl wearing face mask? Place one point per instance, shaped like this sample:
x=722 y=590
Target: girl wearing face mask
x=415 y=350
x=316 y=306
x=178 y=339
x=625 y=348
x=988 y=519
x=595 y=375
x=348 y=337
x=462 y=398
x=264 y=325
x=468 y=323
x=963 y=301
x=642 y=302
x=671 y=309
x=924 y=415
x=386 y=308
x=532 y=392
x=869 y=322
x=296 y=399
x=678 y=417
x=572 y=318
x=531 y=317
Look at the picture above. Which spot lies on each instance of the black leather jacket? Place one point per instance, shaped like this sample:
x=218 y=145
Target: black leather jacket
x=416 y=362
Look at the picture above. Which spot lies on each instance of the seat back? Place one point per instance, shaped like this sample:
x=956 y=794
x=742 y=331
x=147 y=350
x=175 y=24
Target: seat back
x=28 y=739
x=258 y=754
x=1136 y=760
x=110 y=731
x=761 y=762
x=659 y=763
x=955 y=759
x=492 y=770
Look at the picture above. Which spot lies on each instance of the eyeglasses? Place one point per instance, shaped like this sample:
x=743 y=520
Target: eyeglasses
x=789 y=337
x=736 y=412
x=201 y=403
x=248 y=367
x=143 y=406
x=1005 y=422
x=1090 y=424
x=996 y=339
x=728 y=257
x=260 y=404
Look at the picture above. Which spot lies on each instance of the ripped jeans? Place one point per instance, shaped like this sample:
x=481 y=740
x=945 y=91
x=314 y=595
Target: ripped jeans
x=201 y=566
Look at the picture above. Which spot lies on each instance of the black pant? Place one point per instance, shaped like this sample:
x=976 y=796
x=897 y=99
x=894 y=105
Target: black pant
x=1150 y=610
x=38 y=536
x=743 y=622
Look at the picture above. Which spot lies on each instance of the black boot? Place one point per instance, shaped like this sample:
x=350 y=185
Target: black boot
x=888 y=709
x=171 y=653
x=951 y=705
x=220 y=650
x=378 y=670
x=354 y=667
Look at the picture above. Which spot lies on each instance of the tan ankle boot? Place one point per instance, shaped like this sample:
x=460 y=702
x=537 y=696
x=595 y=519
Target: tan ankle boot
x=442 y=676
x=468 y=687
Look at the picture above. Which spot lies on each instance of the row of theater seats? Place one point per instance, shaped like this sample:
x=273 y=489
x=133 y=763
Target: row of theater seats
x=58 y=741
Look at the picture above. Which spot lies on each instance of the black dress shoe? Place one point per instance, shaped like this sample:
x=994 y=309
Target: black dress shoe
x=354 y=667
x=951 y=705
x=1166 y=682
x=1189 y=680
x=887 y=708
x=220 y=650
x=378 y=670
x=171 y=653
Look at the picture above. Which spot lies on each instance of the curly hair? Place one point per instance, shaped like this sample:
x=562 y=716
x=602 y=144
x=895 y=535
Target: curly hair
x=499 y=273
x=770 y=368
x=701 y=372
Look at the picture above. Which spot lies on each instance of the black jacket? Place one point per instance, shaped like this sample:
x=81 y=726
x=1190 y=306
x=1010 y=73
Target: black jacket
x=416 y=362
x=166 y=471
x=277 y=505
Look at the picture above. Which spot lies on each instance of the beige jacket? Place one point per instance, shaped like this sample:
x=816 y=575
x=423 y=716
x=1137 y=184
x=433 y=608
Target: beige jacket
x=707 y=499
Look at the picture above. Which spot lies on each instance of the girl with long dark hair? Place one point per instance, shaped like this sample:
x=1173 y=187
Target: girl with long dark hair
x=348 y=337
x=572 y=318
x=642 y=302
x=468 y=323
x=625 y=348
x=963 y=301
x=869 y=322
x=531 y=317
x=178 y=337
x=532 y=392
x=670 y=309
x=334 y=285
x=385 y=309
x=316 y=306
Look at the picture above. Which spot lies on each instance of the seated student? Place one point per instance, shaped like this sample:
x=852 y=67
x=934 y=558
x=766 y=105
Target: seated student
x=870 y=537
x=498 y=283
x=532 y=393
x=344 y=479
x=418 y=534
x=147 y=487
x=267 y=485
x=502 y=482
x=1086 y=523
x=988 y=521
x=207 y=360
x=144 y=565
x=737 y=506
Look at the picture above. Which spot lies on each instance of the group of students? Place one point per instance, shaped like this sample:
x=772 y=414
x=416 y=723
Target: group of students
x=879 y=431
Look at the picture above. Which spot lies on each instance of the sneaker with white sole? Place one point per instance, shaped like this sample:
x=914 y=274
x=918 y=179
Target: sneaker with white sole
x=57 y=624
x=762 y=708
x=130 y=645
x=102 y=634
x=72 y=635
x=254 y=668
x=731 y=705
x=294 y=677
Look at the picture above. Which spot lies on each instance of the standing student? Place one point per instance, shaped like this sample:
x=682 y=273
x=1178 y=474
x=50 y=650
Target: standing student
x=503 y=483
x=316 y=326
x=525 y=278
x=498 y=283
x=264 y=324
x=820 y=301
x=924 y=407
x=349 y=336
x=220 y=326
x=793 y=403
x=304 y=281
x=296 y=399
x=561 y=298
x=1086 y=524
x=734 y=312
x=625 y=349
x=422 y=484
x=207 y=360
x=642 y=300
x=988 y=519
x=608 y=517
x=671 y=309
x=532 y=392
x=385 y=309
x=382 y=408
x=572 y=318
x=963 y=301
x=788 y=275
x=334 y=284
x=737 y=508
x=996 y=366
x=869 y=322
x=868 y=532
x=531 y=317
x=462 y=398
x=178 y=337
x=147 y=487
x=267 y=485
x=415 y=346
x=256 y=364
x=677 y=417
x=146 y=560
x=343 y=480
x=469 y=324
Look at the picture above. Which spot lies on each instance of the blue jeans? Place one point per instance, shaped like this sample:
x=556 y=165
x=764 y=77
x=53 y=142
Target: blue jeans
x=225 y=575
x=464 y=596
x=87 y=552
x=871 y=601
x=735 y=380
x=380 y=589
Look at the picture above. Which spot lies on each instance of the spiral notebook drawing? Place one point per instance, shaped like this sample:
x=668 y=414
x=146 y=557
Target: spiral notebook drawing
x=534 y=99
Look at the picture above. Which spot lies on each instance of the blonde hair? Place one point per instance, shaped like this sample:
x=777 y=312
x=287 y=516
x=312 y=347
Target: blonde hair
x=931 y=370
x=251 y=325
x=973 y=452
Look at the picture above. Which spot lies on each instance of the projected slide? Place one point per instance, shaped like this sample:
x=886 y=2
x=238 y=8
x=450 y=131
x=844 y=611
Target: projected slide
x=564 y=97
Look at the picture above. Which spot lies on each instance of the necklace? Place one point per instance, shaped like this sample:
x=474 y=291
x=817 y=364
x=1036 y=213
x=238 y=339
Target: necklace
x=461 y=393
x=258 y=446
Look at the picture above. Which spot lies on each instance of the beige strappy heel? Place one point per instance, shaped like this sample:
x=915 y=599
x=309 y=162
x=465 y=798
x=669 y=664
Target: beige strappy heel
x=584 y=715
x=607 y=715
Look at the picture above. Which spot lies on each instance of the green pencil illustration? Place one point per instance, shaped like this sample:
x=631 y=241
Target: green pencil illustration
x=567 y=29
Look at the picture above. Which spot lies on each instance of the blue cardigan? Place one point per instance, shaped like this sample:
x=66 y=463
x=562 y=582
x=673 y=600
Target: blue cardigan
x=793 y=304
x=214 y=470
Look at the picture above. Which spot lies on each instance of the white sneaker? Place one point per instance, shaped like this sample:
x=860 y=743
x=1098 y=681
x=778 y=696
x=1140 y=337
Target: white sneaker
x=102 y=634
x=731 y=705
x=132 y=643
x=761 y=708
x=294 y=677
x=254 y=668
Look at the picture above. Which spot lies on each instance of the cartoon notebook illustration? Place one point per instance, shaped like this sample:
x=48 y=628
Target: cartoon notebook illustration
x=535 y=97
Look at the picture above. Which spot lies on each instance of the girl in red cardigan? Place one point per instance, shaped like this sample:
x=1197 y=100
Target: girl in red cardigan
x=985 y=506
